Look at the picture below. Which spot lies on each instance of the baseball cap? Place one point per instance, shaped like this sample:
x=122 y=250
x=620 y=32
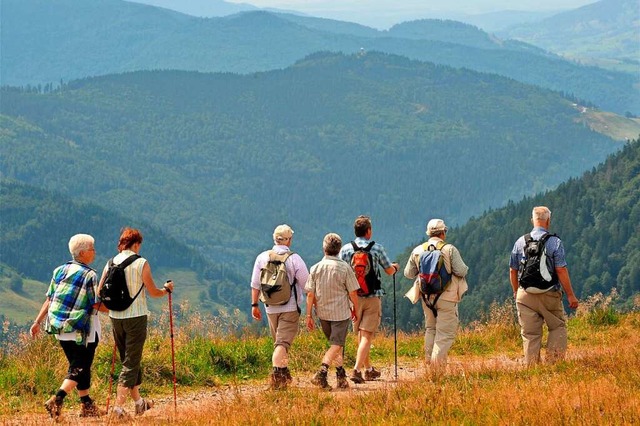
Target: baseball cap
x=435 y=226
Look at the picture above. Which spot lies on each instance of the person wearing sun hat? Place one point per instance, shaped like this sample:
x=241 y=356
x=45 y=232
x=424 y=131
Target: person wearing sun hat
x=283 y=319
x=441 y=329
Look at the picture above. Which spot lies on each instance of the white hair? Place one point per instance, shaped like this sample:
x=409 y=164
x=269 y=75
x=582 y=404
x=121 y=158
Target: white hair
x=80 y=242
x=541 y=213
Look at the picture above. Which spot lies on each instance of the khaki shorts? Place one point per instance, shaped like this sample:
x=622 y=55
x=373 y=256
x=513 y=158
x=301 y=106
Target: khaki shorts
x=284 y=328
x=369 y=314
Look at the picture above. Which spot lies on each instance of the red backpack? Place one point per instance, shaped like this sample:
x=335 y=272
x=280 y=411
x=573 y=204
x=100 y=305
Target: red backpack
x=362 y=264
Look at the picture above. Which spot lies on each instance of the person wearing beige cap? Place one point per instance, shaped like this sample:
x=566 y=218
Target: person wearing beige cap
x=283 y=318
x=441 y=321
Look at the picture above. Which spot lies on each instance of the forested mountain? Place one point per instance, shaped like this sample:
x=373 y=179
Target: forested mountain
x=598 y=218
x=44 y=42
x=202 y=8
x=36 y=225
x=608 y=30
x=218 y=160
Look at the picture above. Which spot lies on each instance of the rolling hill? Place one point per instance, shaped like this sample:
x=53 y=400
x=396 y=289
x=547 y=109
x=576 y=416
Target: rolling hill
x=606 y=33
x=217 y=160
x=35 y=229
x=45 y=42
x=598 y=218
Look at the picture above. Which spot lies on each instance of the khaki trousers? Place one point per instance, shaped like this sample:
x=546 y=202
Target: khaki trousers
x=441 y=331
x=534 y=310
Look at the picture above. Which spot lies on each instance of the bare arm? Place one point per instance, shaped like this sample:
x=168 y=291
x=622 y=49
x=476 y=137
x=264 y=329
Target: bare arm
x=513 y=278
x=256 y=314
x=565 y=281
x=35 y=327
x=311 y=300
x=150 y=285
x=353 y=296
x=392 y=269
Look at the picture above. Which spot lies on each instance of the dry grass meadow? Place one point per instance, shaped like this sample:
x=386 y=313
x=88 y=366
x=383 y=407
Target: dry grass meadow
x=222 y=378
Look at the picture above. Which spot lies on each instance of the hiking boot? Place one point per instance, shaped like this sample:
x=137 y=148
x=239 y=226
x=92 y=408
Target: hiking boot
x=90 y=409
x=356 y=377
x=287 y=374
x=341 y=377
x=320 y=380
x=53 y=407
x=279 y=379
x=147 y=404
x=372 y=374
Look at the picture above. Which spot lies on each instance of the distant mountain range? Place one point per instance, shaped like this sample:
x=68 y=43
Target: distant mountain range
x=44 y=42
x=605 y=33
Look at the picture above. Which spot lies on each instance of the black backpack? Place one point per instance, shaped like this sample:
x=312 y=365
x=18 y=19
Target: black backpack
x=114 y=293
x=533 y=273
x=363 y=266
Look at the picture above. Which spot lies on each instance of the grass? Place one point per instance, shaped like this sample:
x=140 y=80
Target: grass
x=598 y=383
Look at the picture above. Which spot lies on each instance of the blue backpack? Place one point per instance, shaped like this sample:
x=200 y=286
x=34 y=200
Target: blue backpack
x=434 y=278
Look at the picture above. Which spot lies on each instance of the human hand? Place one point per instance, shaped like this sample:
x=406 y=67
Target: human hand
x=354 y=316
x=169 y=286
x=35 y=328
x=256 y=314
x=573 y=301
x=311 y=325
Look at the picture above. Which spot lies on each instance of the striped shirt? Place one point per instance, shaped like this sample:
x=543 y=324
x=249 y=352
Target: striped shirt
x=378 y=253
x=133 y=274
x=331 y=280
x=296 y=269
x=72 y=295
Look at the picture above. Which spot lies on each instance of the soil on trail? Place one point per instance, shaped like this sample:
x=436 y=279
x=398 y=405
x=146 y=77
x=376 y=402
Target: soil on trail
x=206 y=399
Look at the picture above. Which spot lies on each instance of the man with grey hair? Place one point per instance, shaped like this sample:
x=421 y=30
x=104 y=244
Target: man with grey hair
x=535 y=306
x=331 y=286
x=283 y=319
x=440 y=311
x=71 y=317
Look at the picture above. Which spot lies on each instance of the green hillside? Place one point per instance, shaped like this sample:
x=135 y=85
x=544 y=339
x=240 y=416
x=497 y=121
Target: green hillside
x=217 y=160
x=605 y=33
x=45 y=42
x=598 y=218
x=34 y=231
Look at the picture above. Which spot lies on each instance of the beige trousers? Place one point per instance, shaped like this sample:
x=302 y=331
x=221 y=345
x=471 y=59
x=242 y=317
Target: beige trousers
x=441 y=331
x=534 y=310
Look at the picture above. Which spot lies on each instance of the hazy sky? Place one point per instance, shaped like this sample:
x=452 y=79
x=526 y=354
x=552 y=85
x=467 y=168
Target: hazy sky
x=459 y=6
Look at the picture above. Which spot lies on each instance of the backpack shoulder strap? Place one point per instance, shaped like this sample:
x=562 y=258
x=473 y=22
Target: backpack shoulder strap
x=527 y=238
x=440 y=245
x=128 y=261
x=355 y=246
x=369 y=246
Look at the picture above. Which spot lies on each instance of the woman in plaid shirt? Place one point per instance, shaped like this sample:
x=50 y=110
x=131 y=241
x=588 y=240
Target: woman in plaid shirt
x=72 y=319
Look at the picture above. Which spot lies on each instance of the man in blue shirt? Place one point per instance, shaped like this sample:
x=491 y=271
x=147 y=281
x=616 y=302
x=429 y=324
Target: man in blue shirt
x=369 y=306
x=537 y=308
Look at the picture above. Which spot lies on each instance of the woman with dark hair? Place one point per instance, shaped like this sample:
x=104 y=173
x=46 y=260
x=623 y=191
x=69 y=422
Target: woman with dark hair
x=130 y=325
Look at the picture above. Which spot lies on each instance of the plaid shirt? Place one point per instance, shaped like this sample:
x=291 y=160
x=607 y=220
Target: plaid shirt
x=72 y=295
x=378 y=253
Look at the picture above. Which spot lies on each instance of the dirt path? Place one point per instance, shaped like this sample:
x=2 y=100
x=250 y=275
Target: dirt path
x=204 y=399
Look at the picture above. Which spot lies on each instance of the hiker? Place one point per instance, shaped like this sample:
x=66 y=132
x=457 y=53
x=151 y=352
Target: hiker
x=72 y=319
x=440 y=310
x=284 y=316
x=369 y=307
x=130 y=324
x=331 y=286
x=536 y=305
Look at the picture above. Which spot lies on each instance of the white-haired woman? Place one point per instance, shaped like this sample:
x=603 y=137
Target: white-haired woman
x=70 y=314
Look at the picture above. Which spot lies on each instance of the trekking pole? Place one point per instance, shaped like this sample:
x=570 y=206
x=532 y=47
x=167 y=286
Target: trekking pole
x=173 y=355
x=395 y=336
x=113 y=367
